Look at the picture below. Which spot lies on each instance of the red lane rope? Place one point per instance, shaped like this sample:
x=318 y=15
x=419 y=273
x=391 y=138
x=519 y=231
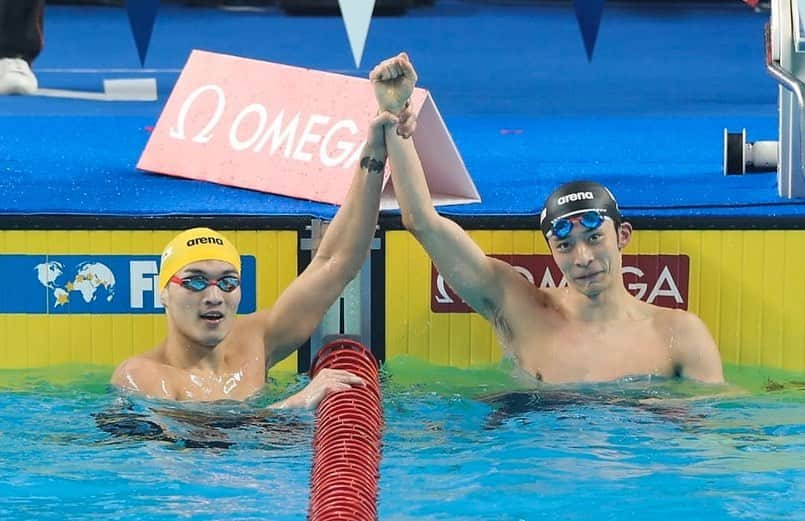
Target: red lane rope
x=346 y=443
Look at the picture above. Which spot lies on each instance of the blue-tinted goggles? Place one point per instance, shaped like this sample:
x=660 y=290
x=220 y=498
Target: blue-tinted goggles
x=227 y=284
x=561 y=228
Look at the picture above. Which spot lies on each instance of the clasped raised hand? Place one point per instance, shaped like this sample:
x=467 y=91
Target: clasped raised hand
x=394 y=80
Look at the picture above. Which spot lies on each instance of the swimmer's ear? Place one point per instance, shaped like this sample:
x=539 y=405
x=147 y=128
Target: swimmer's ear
x=624 y=234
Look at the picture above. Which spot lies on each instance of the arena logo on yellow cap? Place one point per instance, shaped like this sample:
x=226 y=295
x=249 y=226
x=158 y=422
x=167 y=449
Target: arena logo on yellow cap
x=194 y=245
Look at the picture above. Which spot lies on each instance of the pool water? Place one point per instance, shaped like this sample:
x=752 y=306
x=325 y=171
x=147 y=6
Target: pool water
x=458 y=445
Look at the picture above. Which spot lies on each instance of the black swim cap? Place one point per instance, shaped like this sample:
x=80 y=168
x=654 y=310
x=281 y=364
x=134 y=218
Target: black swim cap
x=575 y=198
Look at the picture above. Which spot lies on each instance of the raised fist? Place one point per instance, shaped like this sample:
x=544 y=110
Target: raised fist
x=394 y=80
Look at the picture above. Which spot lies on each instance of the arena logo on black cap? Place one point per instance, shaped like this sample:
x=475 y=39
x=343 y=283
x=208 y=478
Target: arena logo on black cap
x=578 y=196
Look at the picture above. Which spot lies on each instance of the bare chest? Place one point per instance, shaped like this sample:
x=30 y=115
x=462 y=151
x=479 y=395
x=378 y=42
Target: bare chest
x=234 y=385
x=241 y=377
x=593 y=353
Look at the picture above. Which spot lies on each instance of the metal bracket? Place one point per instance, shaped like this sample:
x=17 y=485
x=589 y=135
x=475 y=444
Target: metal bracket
x=790 y=174
x=351 y=314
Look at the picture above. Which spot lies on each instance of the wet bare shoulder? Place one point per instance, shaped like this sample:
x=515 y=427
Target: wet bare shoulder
x=251 y=322
x=676 y=320
x=664 y=320
x=247 y=340
x=143 y=374
x=689 y=328
x=519 y=287
x=694 y=349
x=524 y=303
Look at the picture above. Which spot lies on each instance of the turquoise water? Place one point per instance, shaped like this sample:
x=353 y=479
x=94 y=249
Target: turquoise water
x=456 y=447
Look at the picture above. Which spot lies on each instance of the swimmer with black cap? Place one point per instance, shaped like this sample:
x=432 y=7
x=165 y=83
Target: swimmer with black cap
x=583 y=207
x=591 y=330
x=583 y=202
x=209 y=353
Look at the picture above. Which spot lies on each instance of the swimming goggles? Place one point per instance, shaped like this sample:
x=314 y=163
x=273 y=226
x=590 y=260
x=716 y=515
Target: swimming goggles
x=561 y=227
x=226 y=284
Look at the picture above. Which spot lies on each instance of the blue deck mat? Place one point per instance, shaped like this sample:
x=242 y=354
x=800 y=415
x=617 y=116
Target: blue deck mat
x=525 y=108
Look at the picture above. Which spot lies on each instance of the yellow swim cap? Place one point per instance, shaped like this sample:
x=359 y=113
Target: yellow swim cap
x=196 y=244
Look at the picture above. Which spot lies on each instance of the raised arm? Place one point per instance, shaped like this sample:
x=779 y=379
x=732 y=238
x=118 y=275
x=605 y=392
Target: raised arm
x=475 y=277
x=339 y=257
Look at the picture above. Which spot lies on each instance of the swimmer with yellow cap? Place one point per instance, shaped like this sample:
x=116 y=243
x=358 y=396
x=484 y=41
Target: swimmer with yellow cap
x=210 y=352
x=197 y=244
x=197 y=260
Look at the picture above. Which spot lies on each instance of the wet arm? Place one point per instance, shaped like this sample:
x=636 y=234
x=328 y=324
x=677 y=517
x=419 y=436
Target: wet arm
x=475 y=277
x=338 y=259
